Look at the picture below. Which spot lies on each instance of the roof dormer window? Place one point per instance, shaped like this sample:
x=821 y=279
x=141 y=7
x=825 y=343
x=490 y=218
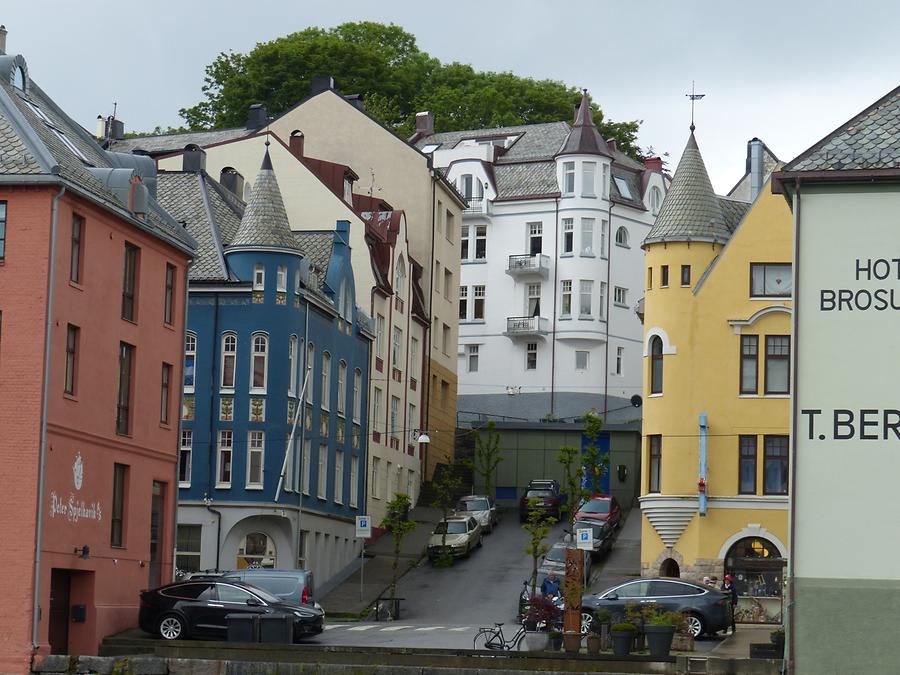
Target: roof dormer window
x=348 y=190
x=19 y=78
x=623 y=187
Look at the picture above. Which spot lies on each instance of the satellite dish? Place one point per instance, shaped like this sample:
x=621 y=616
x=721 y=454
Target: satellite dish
x=637 y=401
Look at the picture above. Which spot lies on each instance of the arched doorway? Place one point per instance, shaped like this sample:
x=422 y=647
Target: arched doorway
x=669 y=568
x=757 y=567
x=257 y=550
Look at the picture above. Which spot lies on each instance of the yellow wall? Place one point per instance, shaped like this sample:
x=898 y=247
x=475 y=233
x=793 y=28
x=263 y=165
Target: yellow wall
x=703 y=325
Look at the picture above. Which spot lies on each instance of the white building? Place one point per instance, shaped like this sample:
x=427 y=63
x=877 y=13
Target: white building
x=552 y=269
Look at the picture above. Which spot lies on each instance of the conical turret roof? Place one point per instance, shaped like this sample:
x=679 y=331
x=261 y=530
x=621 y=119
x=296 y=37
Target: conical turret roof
x=691 y=211
x=584 y=137
x=265 y=223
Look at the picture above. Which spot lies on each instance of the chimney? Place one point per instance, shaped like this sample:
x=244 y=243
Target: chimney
x=232 y=181
x=193 y=159
x=296 y=143
x=116 y=129
x=101 y=127
x=320 y=83
x=425 y=123
x=653 y=163
x=612 y=145
x=755 y=166
x=257 y=117
x=2 y=39
x=356 y=100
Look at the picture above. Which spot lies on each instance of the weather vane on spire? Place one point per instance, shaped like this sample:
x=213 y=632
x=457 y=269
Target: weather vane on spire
x=694 y=97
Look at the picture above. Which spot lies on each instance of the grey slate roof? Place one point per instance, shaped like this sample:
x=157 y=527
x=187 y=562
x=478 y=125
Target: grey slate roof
x=536 y=141
x=871 y=140
x=317 y=247
x=161 y=145
x=733 y=210
x=265 y=222
x=32 y=129
x=210 y=213
x=691 y=210
x=525 y=180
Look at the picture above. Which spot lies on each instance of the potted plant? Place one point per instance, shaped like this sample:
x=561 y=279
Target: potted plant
x=572 y=641
x=660 y=629
x=554 y=641
x=777 y=638
x=622 y=637
x=594 y=639
x=600 y=627
x=542 y=614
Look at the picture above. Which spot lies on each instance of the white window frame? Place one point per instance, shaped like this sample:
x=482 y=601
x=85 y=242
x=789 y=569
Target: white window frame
x=566 y=293
x=281 y=279
x=259 y=277
x=338 y=477
x=357 y=394
x=480 y=235
x=414 y=358
x=379 y=336
x=589 y=179
x=292 y=365
x=256 y=446
x=531 y=350
x=463 y=303
x=186 y=448
x=376 y=408
x=655 y=200
x=602 y=310
x=568 y=242
x=472 y=358
x=533 y=292
x=354 y=481
x=568 y=178
x=310 y=368
x=400 y=279
x=587 y=237
x=326 y=381
x=620 y=360
x=258 y=339
x=604 y=233
x=342 y=388
x=535 y=231
x=586 y=355
x=307 y=452
x=224 y=454
x=622 y=237
x=604 y=177
x=396 y=342
x=465 y=249
x=190 y=351
x=229 y=356
x=586 y=292
x=620 y=296
x=479 y=300
x=322 y=487
x=376 y=484
x=395 y=417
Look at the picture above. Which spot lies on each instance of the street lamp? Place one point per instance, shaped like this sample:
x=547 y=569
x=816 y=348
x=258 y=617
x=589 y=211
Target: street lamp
x=419 y=436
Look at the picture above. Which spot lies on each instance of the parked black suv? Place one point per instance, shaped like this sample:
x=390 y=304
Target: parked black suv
x=549 y=499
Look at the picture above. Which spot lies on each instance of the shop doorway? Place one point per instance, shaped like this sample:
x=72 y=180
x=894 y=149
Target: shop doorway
x=58 y=627
x=258 y=551
x=757 y=567
x=669 y=568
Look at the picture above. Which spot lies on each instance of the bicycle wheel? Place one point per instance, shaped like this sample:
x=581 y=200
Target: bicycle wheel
x=487 y=638
x=518 y=641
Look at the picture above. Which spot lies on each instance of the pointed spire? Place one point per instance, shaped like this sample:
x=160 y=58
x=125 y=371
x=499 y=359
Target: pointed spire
x=691 y=210
x=265 y=222
x=584 y=138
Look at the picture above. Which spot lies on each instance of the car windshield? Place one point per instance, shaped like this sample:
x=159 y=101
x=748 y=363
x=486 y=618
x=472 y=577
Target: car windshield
x=557 y=554
x=450 y=527
x=596 y=506
x=538 y=493
x=473 y=505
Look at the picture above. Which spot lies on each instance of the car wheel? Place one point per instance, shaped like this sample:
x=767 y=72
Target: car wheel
x=586 y=620
x=695 y=625
x=170 y=627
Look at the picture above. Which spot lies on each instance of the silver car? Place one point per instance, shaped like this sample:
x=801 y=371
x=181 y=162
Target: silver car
x=480 y=507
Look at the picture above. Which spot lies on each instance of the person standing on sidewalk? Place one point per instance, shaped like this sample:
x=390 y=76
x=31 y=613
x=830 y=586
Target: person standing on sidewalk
x=728 y=587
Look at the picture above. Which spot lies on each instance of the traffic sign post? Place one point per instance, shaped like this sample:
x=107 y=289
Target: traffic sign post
x=363 y=531
x=584 y=539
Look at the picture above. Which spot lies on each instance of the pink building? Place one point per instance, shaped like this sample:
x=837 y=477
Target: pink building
x=92 y=314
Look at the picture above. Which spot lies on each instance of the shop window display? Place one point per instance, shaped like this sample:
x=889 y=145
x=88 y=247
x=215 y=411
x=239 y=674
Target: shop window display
x=758 y=571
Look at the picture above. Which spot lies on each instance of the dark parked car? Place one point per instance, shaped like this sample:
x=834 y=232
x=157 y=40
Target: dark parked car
x=601 y=535
x=549 y=498
x=197 y=608
x=555 y=560
x=600 y=507
x=708 y=610
x=294 y=586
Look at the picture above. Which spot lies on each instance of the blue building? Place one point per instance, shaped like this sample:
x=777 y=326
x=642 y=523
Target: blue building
x=273 y=442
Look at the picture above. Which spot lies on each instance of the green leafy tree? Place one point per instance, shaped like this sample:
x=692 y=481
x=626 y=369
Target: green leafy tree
x=446 y=488
x=487 y=455
x=397 y=79
x=398 y=522
x=537 y=527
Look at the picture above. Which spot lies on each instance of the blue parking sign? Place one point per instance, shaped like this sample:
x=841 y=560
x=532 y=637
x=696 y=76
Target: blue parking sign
x=363 y=527
x=584 y=538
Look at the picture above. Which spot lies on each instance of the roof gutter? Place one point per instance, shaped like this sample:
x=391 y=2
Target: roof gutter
x=42 y=462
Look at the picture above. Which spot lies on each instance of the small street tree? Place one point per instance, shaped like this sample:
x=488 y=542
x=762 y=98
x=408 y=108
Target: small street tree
x=446 y=487
x=537 y=527
x=398 y=522
x=487 y=455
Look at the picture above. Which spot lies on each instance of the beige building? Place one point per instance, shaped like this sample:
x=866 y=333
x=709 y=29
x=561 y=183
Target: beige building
x=336 y=130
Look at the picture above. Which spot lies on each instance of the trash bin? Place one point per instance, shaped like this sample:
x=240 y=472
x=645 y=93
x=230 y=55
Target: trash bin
x=277 y=628
x=242 y=627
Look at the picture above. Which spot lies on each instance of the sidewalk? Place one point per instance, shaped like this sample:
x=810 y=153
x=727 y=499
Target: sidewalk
x=346 y=598
x=737 y=646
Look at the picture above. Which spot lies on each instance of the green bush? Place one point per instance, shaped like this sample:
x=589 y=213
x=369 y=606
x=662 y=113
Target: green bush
x=624 y=628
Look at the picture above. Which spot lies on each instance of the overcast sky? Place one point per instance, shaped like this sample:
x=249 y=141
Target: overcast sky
x=787 y=72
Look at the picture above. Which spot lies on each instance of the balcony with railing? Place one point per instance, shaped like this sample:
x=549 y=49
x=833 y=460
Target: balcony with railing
x=526 y=326
x=528 y=265
x=477 y=207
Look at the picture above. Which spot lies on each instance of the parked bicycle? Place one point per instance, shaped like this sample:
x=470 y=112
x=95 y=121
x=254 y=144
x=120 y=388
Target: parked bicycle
x=493 y=638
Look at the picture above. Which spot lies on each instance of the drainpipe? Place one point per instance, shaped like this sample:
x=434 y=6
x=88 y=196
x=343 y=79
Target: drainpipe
x=789 y=608
x=184 y=319
x=42 y=464
x=701 y=481
x=555 y=294
x=212 y=431
x=609 y=292
x=301 y=405
x=434 y=180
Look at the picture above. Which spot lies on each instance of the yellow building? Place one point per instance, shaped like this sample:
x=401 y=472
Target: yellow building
x=717 y=324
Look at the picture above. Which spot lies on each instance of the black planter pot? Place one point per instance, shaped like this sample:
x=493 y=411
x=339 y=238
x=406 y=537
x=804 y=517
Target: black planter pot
x=555 y=641
x=622 y=642
x=659 y=640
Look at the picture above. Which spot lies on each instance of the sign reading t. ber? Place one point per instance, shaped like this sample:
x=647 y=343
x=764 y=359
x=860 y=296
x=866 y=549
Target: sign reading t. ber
x=847 y=408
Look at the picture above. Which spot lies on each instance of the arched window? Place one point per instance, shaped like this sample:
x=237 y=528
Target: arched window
x=655 y=200
x=348 y=300
x=400 y=279
x=259 y=363
x=326 y=381
x=656 y=365
x=357 y=395
x=257 y=550
x=622 y=236
x=229 y=354
x=190 y=357
x=19 y=78
x=757 y=567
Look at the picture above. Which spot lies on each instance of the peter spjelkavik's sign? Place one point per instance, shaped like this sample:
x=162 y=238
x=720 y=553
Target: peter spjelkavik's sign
x=70 y=506
x=845 y=502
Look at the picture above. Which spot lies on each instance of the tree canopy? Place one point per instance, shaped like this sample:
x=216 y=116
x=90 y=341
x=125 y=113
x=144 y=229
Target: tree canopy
x=384 y=64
